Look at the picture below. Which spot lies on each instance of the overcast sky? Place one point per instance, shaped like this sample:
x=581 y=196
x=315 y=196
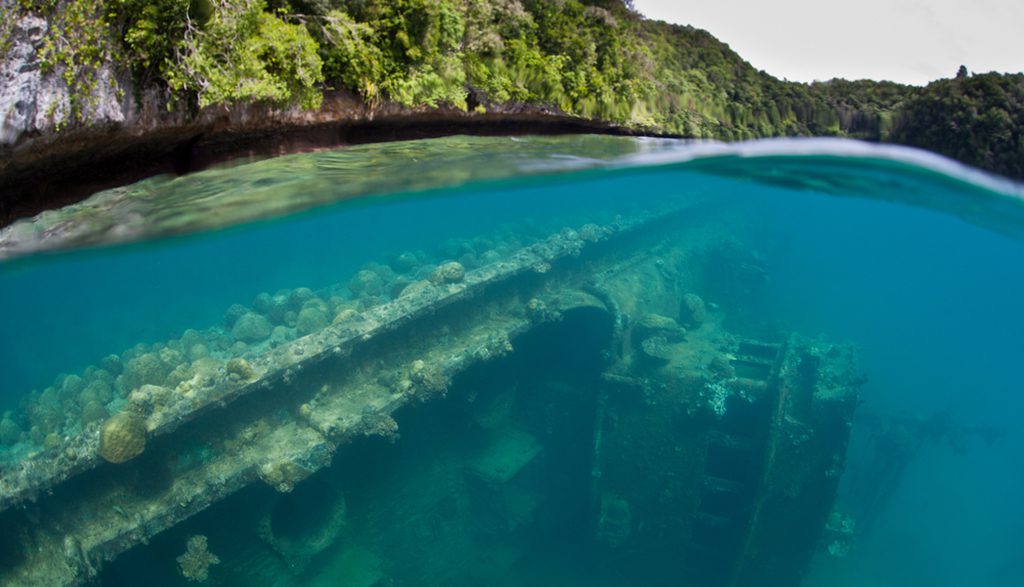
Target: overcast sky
x=908 y=41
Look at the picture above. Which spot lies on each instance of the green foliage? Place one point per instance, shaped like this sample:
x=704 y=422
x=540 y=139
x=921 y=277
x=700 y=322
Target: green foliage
x=349 y=55
x=215 y=51
x=75 y=48
x=704 y=89
x=590 y=58
x=441 y=81
x=976 y=119
x=406 y=50
x=152 y=32
x=426 y=49
x=600 y=61
x=864 y=108
x=8 y=17
x=244 y=54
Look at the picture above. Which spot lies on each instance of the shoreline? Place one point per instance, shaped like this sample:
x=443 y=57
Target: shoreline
x=54 y=170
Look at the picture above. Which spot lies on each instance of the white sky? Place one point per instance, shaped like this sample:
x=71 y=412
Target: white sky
x=908 y=41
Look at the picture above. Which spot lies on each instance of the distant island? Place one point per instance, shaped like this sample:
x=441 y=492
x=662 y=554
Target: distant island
x=87 y=82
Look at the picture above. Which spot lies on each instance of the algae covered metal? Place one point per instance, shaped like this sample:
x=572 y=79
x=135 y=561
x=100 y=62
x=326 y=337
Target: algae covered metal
x=578 y=379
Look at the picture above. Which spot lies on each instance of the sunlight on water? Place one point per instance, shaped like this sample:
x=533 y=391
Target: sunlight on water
x=536 y=361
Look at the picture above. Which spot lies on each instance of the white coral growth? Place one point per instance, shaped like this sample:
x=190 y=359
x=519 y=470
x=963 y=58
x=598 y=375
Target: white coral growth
x=716 y=394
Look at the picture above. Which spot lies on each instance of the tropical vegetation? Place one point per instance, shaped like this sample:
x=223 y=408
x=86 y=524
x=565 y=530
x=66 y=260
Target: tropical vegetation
x=588 y=58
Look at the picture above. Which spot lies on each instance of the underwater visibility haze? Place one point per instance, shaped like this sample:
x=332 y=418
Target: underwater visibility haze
x=575 y=360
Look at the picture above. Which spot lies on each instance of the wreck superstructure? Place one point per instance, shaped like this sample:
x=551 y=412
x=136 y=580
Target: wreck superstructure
x=580 y=381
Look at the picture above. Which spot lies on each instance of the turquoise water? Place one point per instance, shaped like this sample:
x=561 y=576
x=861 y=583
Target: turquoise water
x=912 y=260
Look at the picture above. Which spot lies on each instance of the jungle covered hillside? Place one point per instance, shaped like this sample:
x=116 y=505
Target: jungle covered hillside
x=587 y=58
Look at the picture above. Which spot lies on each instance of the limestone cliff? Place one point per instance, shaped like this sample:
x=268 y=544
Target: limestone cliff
x=34 y=103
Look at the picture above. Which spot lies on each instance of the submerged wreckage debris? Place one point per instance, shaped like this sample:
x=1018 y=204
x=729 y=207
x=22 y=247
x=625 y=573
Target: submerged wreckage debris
x=195 y=563
x=302 y=374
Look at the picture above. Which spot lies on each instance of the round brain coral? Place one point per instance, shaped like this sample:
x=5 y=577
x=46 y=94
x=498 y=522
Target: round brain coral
x=122 y=437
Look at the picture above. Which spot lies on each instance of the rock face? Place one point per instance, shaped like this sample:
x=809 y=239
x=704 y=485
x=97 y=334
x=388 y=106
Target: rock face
x=126 y=132
x=53 y=154
x=33 y=101
x=123 y=437
x=20 y=78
